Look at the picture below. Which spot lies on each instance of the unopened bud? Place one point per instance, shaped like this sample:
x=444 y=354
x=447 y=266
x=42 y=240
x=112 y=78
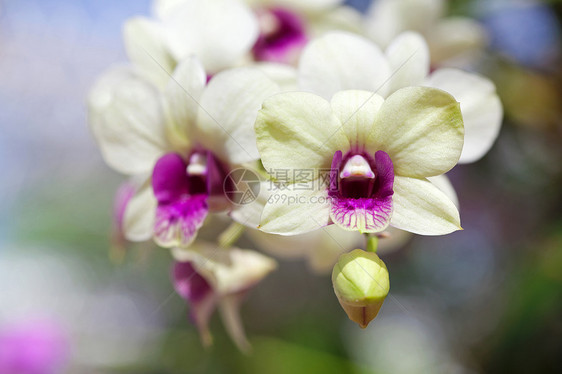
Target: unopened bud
x=361 y=284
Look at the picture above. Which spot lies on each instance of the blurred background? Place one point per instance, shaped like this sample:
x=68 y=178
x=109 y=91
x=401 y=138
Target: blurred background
x=484 y=300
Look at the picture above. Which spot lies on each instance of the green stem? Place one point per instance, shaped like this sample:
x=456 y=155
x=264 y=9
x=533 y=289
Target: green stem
x=372 y=243
x=229 y=236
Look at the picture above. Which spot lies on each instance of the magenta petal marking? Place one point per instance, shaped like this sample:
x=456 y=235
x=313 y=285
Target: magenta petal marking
x=169 y=178
x=177 y=223
x=366 y=209
x=335 y=172
x=385 y=175
x=215 y=176
x=364 y=215
x=182 y=202
x=285 y=39
x=189 y=284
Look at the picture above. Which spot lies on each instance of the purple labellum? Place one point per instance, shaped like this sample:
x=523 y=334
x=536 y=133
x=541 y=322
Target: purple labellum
x=195 y=289
x=179 y=222
x=282 y=37
x=361 y=191
x=188 y=283
x=186 y=191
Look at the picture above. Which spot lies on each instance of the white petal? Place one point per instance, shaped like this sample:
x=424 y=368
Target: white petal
x=284 y=75
x=343 y=18
x=333 y=241
x=480 y=106
x=298 y=130
x=228 y=271
x=357 y=111
x=422 y=208
x=308 y=5
x=229 y=107
x=229 y=307
x=341 y=61
x=163 y=8
x=218 y=32
x=293 y=212
x=181 y=100
x=285 y=247
x=408 y=56
x=421 y=129
x=127 y=120
x=138 y=221
x=444 y=184
x=250 y=214
x=146 y=47
x=202 y=311
x=321 y=247
x=388 y=18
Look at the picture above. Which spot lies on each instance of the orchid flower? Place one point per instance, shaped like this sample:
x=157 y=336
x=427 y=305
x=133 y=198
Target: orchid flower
x=368 y=158
x=220 y=33
x=187 y=139
x=277 y=32
x=286 y=26
x=453 y=41
x=342 y=61
x=208 y=277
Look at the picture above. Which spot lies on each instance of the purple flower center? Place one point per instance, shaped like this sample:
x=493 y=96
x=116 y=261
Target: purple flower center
x=282 y=36
x=361 y=176
x=361 y=188
x=186 y=190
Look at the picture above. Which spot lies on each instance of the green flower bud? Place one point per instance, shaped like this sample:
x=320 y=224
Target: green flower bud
x=361 y=284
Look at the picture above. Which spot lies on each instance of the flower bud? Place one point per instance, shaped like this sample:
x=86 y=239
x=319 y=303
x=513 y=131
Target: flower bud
x=361 y=284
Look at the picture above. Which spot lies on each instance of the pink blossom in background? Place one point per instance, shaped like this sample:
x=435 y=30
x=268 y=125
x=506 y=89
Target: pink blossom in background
x=32 y=347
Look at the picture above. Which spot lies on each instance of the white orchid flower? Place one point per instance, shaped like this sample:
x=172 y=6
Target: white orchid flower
x=342 y=61
x=208 y=277
x=453 y=41
x=278 y=31
x=369 y=160
x=286 y=26
x=219 y=32
x=188 y=139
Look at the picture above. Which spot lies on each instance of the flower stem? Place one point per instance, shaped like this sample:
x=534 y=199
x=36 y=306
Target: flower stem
x=372 y=243
x=229 y=236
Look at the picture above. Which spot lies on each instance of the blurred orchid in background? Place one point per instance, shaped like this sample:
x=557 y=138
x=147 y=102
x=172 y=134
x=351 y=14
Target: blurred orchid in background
x=340 y=61
x=207 y=277
x=229 y=33
x=33 y=347
x=453 y=41
x=286 y=26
